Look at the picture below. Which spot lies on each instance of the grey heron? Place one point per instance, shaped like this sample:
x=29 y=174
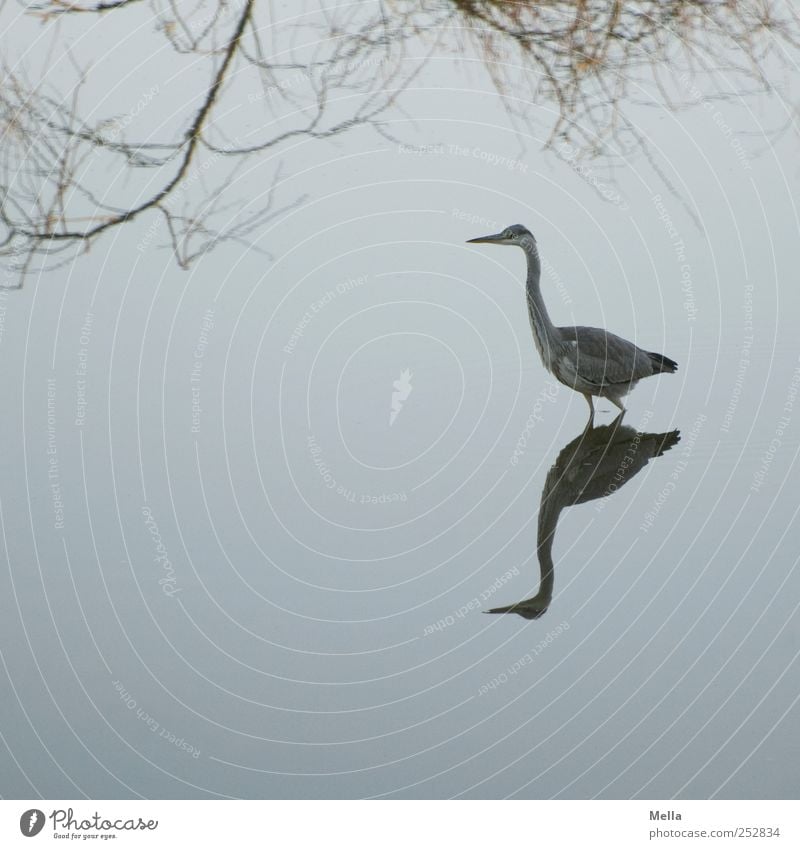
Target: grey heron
x=595 y=464
x=587 y=359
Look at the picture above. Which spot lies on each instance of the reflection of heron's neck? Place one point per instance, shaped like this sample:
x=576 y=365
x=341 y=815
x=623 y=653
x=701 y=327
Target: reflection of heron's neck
x=549 y=511
x=544 y=333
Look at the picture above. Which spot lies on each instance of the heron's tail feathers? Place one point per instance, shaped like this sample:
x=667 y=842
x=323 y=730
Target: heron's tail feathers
x=662 y=363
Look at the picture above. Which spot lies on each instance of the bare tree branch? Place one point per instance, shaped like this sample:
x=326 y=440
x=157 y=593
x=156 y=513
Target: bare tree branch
x=341 y=69
x=61 y=7
x=586 y=54
x=47 y=202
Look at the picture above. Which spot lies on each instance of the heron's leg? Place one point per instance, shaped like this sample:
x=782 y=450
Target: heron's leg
x=616 y=403
x=591 y=406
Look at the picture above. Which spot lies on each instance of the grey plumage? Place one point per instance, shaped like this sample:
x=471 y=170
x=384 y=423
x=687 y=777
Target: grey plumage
x=589 y=360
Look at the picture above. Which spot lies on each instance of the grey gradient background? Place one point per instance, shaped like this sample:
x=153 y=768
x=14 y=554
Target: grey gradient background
x=296 y=652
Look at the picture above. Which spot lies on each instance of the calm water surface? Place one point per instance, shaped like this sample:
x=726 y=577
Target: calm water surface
x=254 y=514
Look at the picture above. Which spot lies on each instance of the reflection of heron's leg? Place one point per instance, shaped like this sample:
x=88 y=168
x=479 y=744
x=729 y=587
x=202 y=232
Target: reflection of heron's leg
x=618 y=420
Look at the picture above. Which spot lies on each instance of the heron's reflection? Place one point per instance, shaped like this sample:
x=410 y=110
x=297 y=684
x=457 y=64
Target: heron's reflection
x=596 y=463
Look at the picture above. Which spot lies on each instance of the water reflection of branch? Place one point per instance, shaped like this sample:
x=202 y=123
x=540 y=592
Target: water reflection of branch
x=52 y=156
x=597 y=463
x=585 y=52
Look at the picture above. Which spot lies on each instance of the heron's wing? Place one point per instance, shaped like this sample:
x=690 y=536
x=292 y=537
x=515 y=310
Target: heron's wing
x=606 y=359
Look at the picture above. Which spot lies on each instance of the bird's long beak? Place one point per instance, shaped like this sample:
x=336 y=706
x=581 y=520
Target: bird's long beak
x=498 y=237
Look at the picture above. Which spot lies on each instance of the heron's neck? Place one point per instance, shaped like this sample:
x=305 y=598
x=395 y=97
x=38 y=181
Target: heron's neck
x=544 y=332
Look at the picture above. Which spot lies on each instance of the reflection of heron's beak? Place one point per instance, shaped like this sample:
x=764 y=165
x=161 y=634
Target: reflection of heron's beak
x=528 y=611
x=498 y=237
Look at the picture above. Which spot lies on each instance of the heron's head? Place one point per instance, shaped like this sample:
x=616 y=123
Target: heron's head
x=516 y=234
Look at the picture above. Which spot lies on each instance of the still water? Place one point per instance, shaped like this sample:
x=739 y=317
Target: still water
x=254 y=514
